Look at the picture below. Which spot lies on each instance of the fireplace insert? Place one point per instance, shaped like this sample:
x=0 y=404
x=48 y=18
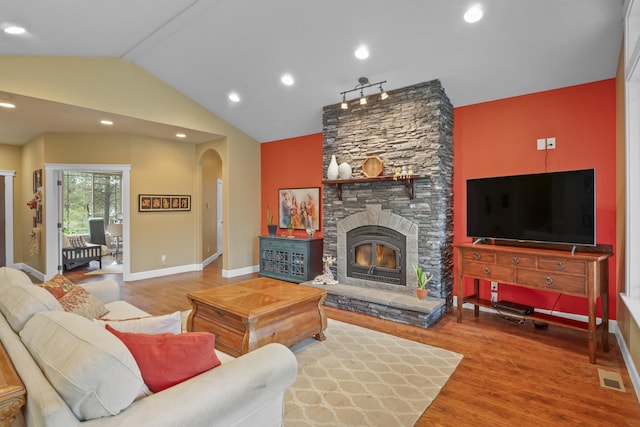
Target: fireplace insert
x=376 y=253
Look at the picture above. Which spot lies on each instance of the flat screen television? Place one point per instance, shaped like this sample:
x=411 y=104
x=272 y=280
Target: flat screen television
x=552 y=207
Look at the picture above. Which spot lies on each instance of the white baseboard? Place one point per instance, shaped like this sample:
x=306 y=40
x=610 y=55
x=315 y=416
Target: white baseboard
x=241 y=271
x=150 y=274
x=631 y=367
x=613 y=325
x=189 y=268
x=210 y=259
x=29 y=270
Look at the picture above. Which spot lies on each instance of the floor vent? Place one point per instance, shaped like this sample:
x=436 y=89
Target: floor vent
x=611 y=380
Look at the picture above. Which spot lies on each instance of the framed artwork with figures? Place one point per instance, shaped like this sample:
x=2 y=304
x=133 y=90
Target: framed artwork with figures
x=300 y=206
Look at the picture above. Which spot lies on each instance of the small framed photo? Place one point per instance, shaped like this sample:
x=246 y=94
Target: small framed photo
x=163 y=203
x=37 y=179
x=39 y=214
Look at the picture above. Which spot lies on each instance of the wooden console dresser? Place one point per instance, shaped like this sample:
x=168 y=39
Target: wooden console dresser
x=12 y=391
x=582 y=274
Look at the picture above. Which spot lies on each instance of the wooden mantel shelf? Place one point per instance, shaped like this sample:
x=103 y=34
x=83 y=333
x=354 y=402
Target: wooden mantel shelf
x=407 y=180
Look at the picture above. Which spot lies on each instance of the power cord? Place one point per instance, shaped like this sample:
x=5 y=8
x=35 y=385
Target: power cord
x=510 y=317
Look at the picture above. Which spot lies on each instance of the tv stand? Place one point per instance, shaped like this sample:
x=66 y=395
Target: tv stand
x=582 y=274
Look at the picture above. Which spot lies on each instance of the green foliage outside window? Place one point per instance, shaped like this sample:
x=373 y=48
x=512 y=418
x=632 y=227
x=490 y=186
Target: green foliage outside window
x=90 y=195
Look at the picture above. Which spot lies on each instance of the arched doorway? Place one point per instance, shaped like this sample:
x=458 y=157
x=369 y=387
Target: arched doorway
x=211 y=214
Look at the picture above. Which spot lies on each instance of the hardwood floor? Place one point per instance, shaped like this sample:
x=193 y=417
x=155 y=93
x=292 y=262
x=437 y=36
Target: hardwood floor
x=510 y=375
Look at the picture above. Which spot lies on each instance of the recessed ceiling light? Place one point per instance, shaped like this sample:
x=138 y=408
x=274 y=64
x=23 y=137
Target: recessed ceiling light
x=14 y=30
x=106 y=122
x=5 y=104
x=362 y=52
x=234 y=97
x=473 y=14
x=287 y=79
x=181 y=135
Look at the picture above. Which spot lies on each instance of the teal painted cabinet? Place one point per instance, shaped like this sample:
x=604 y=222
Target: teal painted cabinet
x=293 y=260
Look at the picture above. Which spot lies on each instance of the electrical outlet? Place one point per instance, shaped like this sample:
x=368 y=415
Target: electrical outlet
x=551 y=143
x=494 y=297
x=494 y=286
x=541 y=144
x=163 y=260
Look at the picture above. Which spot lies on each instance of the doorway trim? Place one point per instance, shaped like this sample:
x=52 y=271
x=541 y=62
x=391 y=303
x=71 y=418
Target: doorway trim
x=8 y=215
x=53 y=211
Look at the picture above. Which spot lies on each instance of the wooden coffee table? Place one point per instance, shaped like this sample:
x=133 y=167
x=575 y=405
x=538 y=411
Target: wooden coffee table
x=248 y=315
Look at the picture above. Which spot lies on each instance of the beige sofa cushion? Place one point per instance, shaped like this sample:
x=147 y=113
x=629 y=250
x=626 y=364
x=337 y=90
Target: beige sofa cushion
x=11 y=276
x=20 y=302
x=89 y=367
x=164 y=324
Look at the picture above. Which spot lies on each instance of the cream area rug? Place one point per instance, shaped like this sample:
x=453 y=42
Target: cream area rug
x=360 y=377
x=108 y=269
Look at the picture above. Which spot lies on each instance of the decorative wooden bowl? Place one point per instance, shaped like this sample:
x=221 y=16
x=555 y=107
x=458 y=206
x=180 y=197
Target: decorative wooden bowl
x=372 y=166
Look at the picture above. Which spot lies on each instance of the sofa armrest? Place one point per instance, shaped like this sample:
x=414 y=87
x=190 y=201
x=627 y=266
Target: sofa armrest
x=106 y=290
x=246 y=391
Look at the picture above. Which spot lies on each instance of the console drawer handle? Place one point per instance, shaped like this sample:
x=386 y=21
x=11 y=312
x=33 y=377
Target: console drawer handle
x=548 y=280
x=515 y=260
x=476 y=255
x=487 y=270
x=219 y=313
x=560 y=266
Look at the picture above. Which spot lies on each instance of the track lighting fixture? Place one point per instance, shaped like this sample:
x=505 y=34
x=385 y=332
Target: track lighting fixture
x=363 y=83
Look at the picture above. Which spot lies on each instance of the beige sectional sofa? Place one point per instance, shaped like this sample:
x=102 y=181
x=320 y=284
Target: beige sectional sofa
x=245 y=391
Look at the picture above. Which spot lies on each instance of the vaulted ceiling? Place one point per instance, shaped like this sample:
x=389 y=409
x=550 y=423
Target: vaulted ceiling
x=207 y=49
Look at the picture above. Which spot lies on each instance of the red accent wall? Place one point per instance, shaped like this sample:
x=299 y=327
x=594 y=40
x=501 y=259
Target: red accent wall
x=290 y=163
x=499 y=138
x=492 y=139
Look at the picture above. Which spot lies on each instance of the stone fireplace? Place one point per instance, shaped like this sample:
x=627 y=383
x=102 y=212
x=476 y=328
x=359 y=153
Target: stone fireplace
x=377 y=230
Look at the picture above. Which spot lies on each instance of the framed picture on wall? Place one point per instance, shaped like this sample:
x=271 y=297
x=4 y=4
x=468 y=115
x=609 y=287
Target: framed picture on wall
x=301 y=206
x=37 y=179
x=163 y=203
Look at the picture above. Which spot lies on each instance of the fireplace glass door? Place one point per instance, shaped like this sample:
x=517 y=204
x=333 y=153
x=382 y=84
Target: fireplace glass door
x=375 y=254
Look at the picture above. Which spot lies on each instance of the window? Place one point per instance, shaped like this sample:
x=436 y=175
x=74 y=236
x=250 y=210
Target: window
x=88 y=195
x=631 y=297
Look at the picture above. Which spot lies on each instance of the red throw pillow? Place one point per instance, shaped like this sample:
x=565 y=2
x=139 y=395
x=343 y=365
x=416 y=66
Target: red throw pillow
x=168 y=359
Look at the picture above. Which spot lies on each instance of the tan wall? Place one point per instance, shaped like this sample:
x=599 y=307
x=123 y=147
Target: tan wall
x=241 y=201
x=74 y=148
x=10 y=157
x=162 y=167
x=627 y=326
x=113 y=85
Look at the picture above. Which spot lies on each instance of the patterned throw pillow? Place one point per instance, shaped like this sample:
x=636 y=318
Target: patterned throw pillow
x=75 y=299
x=77 y=241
